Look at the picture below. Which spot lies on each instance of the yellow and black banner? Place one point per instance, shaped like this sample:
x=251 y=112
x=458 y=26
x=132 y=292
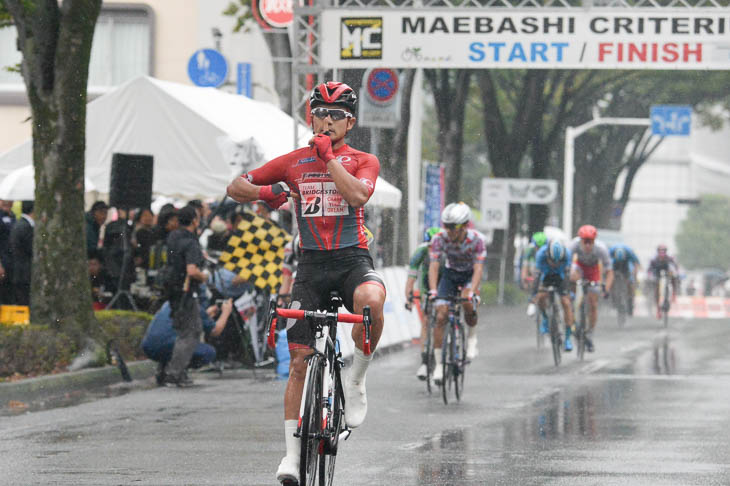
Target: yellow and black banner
x=256 y=251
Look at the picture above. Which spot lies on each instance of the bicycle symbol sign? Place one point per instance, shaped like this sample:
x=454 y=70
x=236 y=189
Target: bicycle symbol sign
x=382 y=85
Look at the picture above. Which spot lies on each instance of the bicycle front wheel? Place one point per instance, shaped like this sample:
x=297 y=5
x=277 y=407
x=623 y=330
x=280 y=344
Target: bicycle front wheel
x=311 y=432
x=327 y=460
x=555 y=334
x=580 y=330
x=447 y=362
x=459 y=366
x=430 y=360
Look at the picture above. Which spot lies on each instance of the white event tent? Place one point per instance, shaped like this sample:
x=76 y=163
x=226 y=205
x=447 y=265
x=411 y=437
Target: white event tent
x=200 y=138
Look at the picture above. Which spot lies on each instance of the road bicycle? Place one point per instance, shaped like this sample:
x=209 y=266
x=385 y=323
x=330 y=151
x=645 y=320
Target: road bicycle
x=620 y=295
x=322 y=411
x=583 y=287
x=554 y=313
x=664 y=296
x=453 y=350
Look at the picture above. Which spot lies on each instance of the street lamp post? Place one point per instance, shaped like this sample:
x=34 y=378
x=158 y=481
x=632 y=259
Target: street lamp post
x=571 y=133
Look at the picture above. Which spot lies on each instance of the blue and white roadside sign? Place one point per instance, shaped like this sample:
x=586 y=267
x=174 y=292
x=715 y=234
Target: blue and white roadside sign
x=207 y=68
x=668 y=120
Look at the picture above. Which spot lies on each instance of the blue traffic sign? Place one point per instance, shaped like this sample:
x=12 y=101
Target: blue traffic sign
x=207 y=68
x=667 y=120
x=382 y=85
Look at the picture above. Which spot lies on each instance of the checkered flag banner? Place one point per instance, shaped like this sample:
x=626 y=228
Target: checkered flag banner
x=256 y=251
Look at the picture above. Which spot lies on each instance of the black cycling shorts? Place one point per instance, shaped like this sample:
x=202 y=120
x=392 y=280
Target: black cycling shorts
x=318 y=274
x=554 y=280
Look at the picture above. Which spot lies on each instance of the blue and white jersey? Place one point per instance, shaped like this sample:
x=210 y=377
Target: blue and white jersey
x=545 y=267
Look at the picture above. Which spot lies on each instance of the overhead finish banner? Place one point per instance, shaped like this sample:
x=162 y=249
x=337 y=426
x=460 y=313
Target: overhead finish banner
x=659 y=38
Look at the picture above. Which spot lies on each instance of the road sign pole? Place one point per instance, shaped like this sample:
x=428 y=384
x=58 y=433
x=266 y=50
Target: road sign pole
x=571 y=133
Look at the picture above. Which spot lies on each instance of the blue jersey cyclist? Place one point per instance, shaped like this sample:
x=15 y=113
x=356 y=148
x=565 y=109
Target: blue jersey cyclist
x=553 y=262
x=528 y=272
x=627 y=264
x=465 y=253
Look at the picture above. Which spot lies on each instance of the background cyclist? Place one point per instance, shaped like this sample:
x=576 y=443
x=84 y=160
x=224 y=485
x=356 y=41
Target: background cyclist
x=418 y=270
x=588 y=256
x=529 y=272
x=330 y=182
x=465 y=253
x=662 y=261
x=553 y=262
x=626 y=262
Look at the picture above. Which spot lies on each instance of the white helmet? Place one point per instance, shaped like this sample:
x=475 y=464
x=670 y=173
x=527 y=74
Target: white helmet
x=456 y=213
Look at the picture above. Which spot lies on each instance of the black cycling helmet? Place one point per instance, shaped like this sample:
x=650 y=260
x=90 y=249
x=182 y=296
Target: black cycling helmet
x=333 y=93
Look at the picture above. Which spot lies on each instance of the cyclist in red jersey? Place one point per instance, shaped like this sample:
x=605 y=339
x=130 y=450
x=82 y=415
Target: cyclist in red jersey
x=330 y=183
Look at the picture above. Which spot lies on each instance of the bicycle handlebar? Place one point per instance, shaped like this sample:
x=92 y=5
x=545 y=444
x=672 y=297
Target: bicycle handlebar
x=299 y=314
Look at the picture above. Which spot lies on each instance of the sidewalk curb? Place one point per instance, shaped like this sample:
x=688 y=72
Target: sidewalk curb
x=33 y=392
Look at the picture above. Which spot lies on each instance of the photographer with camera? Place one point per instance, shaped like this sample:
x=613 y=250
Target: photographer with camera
x=159 y=340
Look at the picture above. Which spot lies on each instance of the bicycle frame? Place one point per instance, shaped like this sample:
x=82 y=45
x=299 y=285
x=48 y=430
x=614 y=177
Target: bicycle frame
x=454 y=349
x=581 y=322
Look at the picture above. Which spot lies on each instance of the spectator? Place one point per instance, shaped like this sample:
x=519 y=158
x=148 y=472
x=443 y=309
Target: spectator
x=184 y=257
x=219 y=236
x=113 y=247
x=7 y=220
x=95 y=218
x=143 y=237
x=167 y=222
x=99 y=280
x=21 y=248
x=159 y=340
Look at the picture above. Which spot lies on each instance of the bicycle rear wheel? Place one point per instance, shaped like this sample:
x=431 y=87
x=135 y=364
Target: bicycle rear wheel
x=459 y=367
x=311 y=432
x=540 y=341
x=447 y=362
x=555 y=333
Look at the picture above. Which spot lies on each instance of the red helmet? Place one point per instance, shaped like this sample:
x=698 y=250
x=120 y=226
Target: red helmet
x=587 y=232
x=334 y=93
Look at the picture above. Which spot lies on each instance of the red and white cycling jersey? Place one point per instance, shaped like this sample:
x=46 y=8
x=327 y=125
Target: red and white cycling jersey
x=326 y=221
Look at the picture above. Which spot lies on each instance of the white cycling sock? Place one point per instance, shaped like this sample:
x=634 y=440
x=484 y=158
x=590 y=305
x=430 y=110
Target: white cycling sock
x=293 y=444
x=471 y=331
x=360 y=363
x=437 y=356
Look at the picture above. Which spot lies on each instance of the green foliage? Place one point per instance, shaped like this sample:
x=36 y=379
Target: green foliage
x=126 y=327
x=241 y=10
x=703 y=236
x=512 y=294
x=33 y=350
x=36 y=350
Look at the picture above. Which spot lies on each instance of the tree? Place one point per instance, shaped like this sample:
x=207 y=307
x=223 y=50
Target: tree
x=605 y=152
x=702 y=236
x=279 y=46
x=55 y=41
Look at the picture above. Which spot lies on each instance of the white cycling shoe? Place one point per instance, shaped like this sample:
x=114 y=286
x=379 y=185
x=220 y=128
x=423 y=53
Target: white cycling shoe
x=288 y=469
x=356 y=403
x=531 y=309
x=471 y=347
x=438 y=374
x=422 y=372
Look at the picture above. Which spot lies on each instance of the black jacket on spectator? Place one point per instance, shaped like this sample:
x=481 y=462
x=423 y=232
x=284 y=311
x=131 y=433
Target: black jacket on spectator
x=21 y=248
x=7 y=220
x=113 y=247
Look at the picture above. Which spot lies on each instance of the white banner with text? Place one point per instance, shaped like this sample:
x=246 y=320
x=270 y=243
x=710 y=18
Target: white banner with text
x=659 y=38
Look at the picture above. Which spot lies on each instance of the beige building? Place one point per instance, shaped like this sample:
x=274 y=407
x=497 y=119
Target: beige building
x=153 y=37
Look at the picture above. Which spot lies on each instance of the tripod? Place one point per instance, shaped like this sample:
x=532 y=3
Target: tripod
x=122 y=289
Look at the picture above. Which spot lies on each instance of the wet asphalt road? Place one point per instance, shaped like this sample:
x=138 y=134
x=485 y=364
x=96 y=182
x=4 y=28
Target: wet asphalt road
x=650 y=406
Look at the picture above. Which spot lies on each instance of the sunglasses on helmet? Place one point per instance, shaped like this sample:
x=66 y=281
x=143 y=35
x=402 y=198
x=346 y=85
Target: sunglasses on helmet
x=453 y=226
x=335 y=113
